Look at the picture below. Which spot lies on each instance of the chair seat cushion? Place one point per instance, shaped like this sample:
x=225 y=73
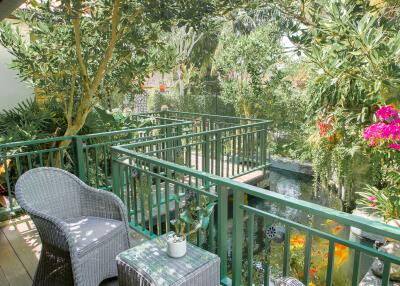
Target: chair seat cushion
x=89 y=232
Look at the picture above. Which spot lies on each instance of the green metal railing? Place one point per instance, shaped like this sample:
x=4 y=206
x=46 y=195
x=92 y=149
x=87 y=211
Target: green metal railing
x=150 y=176
x=87 y=156
x=152 y=169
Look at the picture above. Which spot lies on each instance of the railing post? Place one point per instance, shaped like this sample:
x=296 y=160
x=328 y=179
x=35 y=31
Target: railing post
x=218 y=151
x=79 y=157
x=237 y=237
x=115 y=173
x=7 y=178
x=222 y=232
x=263 y=147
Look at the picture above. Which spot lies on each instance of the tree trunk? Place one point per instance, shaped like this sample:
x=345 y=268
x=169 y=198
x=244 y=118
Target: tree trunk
x=181 y=84
x=72 y=130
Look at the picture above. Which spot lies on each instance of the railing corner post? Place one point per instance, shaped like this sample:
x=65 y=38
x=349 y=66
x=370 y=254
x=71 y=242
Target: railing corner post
x=222 y=234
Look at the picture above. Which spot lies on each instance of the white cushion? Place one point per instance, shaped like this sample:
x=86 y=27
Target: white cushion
x=88 y=231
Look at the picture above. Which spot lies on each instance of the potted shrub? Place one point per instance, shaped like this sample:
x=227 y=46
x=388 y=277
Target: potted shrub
x=192 y=217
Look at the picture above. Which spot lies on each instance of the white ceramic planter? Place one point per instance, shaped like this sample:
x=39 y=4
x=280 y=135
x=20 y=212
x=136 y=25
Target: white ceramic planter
x=176 y=249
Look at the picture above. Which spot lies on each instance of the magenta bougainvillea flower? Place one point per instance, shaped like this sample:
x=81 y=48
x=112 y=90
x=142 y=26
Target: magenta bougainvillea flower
x=387 y=112
x=372 y=198
x=394 y=146
x=387 y=130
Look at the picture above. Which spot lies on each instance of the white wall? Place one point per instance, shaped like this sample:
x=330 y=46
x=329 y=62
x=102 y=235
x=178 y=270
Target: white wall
x=12 y=90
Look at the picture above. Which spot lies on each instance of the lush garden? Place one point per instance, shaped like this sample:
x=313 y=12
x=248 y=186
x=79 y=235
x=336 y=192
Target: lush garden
x=325 y=72
x=320 y=70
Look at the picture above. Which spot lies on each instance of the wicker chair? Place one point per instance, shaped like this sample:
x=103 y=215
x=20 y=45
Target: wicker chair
x=82 y=229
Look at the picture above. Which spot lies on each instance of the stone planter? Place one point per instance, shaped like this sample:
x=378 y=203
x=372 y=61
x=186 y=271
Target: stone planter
x=363 y=234
x=392 y=248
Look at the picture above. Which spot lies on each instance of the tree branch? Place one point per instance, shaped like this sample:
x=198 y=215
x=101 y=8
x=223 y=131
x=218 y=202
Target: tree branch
x=70 y=107
x=86 y=101
x=113 y=41
x=77 y=35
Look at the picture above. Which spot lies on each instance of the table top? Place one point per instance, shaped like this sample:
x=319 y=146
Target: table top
x=151 y=259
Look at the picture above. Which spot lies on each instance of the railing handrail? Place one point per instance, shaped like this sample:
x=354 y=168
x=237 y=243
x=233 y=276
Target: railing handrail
x=35 y=141
x=338 y=216
x=87 y=136
x=218 y=116
x=209 y=132
x=111 y=133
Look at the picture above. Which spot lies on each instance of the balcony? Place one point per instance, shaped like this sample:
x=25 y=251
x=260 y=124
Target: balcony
x=152 y=169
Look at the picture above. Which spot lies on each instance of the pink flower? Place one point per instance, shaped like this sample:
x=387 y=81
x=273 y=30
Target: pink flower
x=382 y=130
x=387 y=130
x=394 y=146
x=372 y=198
x=387 y=112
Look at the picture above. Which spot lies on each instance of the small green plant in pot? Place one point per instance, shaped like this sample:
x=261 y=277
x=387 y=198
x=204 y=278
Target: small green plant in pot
x=193 y=216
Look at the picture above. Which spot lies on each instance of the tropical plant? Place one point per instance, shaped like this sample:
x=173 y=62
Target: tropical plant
x=29 y=121
x=194 y=215
x=384 y=202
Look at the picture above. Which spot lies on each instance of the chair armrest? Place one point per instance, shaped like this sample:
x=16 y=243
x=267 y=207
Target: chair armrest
x=52 y=230
x=99 y=203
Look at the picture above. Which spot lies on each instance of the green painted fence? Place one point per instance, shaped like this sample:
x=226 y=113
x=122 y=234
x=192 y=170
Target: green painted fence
x=87 y=156
x=153 y=169
x=154 y=177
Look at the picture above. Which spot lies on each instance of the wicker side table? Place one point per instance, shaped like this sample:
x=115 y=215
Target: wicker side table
x=148 y=264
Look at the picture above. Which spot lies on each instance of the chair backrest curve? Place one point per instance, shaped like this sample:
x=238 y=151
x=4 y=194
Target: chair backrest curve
x=52 y=191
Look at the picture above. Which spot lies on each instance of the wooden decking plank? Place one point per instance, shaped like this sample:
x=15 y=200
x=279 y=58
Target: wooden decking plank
x=3 y=279
x=20 y=250
x=24 y=239
x=251 y=178
x=13 y=269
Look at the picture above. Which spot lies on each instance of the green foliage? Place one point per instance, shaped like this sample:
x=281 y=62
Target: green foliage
x=352 y=48
x=80 y=56
x=259 y=81
x=355 y=51
x=27 y=121
x=384 y=202
x=249 y=65
x=194 y=216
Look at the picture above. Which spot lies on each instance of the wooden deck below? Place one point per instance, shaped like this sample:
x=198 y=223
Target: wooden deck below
x=20 y=248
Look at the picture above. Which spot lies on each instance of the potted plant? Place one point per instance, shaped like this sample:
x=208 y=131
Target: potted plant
x=193 y=216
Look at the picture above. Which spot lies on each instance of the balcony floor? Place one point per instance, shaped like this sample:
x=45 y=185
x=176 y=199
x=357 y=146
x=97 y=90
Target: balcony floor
x=20 y=248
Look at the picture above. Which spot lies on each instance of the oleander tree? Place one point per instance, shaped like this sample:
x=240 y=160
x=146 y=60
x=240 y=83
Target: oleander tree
x=82 y=51
x=351 y=49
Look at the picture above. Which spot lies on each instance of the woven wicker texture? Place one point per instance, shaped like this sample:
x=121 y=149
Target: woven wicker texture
x=288 y=281
x=148 y=264
x=82 y=229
